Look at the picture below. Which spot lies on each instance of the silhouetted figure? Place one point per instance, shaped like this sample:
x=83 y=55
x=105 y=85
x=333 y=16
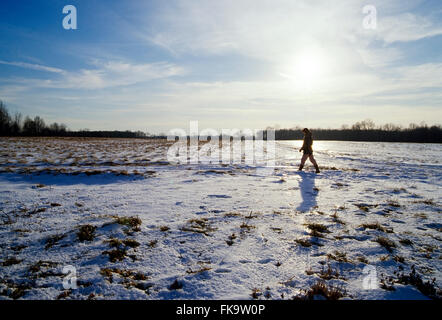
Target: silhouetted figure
x=308 y=151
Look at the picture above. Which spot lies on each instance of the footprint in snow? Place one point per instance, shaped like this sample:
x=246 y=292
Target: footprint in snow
x=222 y=270
x=223 y=196
x=264 y=261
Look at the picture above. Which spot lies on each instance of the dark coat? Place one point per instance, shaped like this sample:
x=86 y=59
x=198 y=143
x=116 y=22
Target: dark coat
x=307 y=145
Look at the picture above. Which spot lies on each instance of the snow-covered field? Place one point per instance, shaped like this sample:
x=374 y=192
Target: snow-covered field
x=357 y=230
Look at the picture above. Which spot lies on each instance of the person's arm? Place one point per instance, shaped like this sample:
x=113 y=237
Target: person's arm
x=303 y=146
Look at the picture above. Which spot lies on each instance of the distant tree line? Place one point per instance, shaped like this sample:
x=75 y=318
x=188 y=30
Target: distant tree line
x=367 y=131
x=27 y=127
x=360 y=131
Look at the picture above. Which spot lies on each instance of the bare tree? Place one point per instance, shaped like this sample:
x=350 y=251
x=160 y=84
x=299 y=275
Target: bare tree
x=5 y=119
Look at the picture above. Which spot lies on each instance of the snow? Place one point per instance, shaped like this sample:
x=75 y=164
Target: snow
x=230 y=228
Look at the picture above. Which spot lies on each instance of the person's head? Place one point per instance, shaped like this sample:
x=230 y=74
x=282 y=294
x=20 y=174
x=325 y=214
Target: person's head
x=305 y=131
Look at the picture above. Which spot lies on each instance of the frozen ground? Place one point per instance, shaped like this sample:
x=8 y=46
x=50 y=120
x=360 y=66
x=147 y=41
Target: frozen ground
x=223 y=232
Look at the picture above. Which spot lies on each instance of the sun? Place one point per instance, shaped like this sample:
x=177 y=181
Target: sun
x=306 y=69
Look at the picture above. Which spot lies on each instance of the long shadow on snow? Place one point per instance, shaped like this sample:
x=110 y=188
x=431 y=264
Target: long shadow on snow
x=308 y=194
x=68 y=179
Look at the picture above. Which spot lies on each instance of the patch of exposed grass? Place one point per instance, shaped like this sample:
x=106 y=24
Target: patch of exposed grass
x=86 y=232
x=152 y=243
x=429 y=202
x=164 y=228
x=387 y=283
x=375 y=226
x=427 y=288
x=109 y=273
x=338 y=256
x=118 y=254
x=321 y=288
x=363 y=207
x=317 y=229
x=41 y=268
x=256 y=293
x=18 y=248
x=131 y=243
x=386 y=243
x=245 y=226
x=15 y=290
x=176 y=285
x=132 y=222
x=406 y=242
x=304 y=242
x=230 y=240
x=200 y=270
x=64 y=294
x=231 y=214
x=277 y=230
x=394 y=203
x=11 y=261
x=114 y=242
x=52 y=240
x=336 y=218
x=399 y=259
x=328 y=273
x=251 y=215
x=362 y=259
x=198 y=226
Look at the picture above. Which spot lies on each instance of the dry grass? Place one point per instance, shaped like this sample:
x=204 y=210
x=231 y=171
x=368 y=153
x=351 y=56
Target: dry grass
x=198 y=226
x=230 y=240
x=429 y=202
x=386 y=243
x=338 y=256
x=394 y=204
x=336 y=218
x=321 y=288
x=109 y=273
x=132 y=222
x=375 y=226
x=329 y=273
x=11 y=261
x=304 y=242
x=406 y=242
x=200 y=270
x=118 y=254
x=245 y=226
x=176 y=285
x=317 y=229
x=86 y=232
x=53 y=240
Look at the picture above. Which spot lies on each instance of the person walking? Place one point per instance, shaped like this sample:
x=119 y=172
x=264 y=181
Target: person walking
x=308 y=150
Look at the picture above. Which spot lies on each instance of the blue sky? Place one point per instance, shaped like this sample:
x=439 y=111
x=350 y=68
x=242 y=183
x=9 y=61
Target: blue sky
x=156 y=65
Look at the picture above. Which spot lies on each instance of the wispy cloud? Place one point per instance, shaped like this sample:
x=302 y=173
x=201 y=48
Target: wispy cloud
x=408 y=27
x=32 y=66
x=105 y=74
x=206 y=53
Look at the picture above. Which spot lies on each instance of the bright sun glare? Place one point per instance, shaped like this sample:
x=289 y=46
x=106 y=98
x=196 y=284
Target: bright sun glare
x=306 y=69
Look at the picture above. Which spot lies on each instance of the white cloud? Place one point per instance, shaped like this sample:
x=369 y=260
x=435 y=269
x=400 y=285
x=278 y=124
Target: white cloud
x=107 y=74
x=32 y=66
x=364 y=76
x=407 y=27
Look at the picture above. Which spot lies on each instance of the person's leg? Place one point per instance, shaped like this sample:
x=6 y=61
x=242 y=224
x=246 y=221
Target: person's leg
x=303 y=160
x=312 y=160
